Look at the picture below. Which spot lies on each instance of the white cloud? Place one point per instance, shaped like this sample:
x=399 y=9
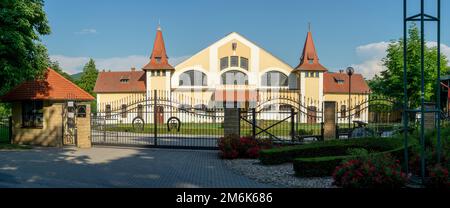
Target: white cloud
x=373 y=53
x=87 y=31
x=74 y=65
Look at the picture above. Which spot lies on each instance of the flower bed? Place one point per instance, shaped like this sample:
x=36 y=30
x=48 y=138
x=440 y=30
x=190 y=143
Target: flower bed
x=233 y=147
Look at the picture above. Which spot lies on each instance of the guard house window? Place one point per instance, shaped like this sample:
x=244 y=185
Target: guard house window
x=306 y=74
x=140 y=110
x=317 y=74
x=343 y=111
x=358 y=111
x=311 y=74
x=244 y=63
x=124 y=111
x=81 y=111
x=223 y=63
x=234 y=62
x=108 y=111
x=33 y=114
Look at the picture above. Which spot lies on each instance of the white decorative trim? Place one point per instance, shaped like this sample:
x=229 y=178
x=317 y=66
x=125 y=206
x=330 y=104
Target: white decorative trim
x=320 y=88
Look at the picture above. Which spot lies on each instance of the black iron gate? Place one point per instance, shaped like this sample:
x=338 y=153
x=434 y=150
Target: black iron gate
x=157 y=121
x=282 y=118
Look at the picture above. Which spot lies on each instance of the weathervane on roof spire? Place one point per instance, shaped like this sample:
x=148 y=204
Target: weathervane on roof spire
x=159 y=24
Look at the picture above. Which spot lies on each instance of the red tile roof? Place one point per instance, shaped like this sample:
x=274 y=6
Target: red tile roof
x=110 y=82
x=331 y=85
x=309 y=53
x=235 y=95
x=159 y=51
x=52 y=87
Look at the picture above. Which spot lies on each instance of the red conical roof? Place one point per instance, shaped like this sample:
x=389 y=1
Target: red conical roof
x=309 y=60
x=158 y=59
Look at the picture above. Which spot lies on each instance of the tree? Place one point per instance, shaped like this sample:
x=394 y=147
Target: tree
x=88 y=77
x=390 y=81
x=55 y=66
x=22 y=55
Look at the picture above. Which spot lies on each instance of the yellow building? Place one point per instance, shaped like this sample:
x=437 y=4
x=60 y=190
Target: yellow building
x=232 y=72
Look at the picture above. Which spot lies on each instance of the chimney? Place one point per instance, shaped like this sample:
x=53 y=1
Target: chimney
x=133 y=69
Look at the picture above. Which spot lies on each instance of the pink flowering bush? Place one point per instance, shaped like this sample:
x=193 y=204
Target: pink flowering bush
x=370 y=172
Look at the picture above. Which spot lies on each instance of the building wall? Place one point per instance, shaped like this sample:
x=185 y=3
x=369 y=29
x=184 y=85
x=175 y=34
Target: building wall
x=50 y=135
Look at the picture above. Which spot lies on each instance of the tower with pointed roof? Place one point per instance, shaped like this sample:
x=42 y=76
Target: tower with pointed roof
x=158 y=70
x=310 y=71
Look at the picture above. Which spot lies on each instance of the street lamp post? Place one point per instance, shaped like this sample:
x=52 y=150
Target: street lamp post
x=350 y=72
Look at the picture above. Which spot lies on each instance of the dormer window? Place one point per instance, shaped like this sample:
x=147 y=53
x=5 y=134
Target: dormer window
x=310 y=61
x=339 y=81
x=158 y=60
x=124 y=80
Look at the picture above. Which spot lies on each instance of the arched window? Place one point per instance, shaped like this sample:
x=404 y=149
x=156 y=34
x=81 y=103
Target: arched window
x=193 y=78
x=274 y=78
x=234 y=77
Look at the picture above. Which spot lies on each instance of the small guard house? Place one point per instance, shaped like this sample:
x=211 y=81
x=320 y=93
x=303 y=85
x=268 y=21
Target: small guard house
x=51 y=111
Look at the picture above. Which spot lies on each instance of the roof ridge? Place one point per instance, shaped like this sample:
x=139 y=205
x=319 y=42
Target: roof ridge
x=73 y=84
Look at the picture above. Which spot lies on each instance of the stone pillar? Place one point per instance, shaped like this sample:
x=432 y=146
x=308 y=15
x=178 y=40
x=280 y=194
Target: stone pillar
x=231 y=121
x=430 y=118
x=84 y=128
x=329 y=120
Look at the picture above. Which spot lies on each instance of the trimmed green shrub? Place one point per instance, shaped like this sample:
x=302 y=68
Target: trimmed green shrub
x=328 y=148
x=324 y=166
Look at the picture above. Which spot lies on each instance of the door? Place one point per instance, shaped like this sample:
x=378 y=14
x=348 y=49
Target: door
x=160 y=114
x=312 y=115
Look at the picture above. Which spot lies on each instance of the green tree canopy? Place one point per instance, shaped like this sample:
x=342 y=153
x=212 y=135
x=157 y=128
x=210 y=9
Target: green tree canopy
x=88 y=77
x=390 y=81
x=22 y=56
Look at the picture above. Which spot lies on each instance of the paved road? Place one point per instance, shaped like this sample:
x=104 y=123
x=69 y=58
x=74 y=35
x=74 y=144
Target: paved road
x=117 y=167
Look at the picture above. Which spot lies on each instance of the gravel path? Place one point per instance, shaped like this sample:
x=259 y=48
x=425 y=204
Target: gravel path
x=278 y=175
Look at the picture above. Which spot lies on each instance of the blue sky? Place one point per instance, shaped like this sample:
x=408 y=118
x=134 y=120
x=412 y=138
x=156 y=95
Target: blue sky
x=119 y=34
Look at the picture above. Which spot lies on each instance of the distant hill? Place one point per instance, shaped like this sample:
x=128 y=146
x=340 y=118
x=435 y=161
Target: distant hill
x=76 y=76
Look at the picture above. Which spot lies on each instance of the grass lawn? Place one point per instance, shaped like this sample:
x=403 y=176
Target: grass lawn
x=4 y=134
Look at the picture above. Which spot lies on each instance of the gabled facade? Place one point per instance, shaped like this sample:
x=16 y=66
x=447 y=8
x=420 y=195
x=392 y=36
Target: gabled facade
x=232 y=64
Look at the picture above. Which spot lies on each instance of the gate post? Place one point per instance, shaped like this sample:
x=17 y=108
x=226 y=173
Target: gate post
x=330 y=120
x=232 y=121
x=10 y=127
x=155 y=114
x=83 y=132
x=292 y=124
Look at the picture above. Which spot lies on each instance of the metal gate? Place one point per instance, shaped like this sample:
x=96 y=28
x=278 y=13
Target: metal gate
x=284 y=118
x=5 y=129
x=157 y=121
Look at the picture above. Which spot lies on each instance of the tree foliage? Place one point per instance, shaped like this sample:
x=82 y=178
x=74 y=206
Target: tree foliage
x=88 y=77
x=390 y=81
x=22 y=56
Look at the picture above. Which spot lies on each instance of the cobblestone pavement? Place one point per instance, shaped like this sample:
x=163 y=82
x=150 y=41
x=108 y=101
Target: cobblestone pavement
x=118 y=167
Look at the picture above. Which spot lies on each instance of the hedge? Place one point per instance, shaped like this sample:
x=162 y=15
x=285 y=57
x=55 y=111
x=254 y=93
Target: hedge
x=324 y=166
x=328 y=148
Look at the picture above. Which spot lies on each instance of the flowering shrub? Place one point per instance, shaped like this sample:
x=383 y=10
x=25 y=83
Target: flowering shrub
x=437 y=174
x=233 y=146
x=438 y=177
x=371 y=172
